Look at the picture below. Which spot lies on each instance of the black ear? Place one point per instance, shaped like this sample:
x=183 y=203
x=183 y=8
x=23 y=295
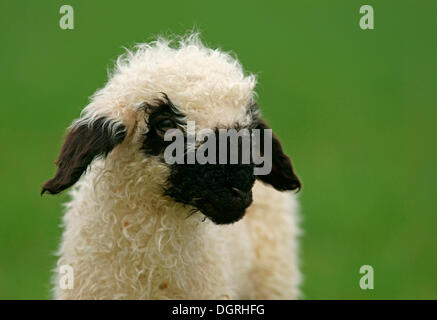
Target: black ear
x=83 y=143
x=282 y=176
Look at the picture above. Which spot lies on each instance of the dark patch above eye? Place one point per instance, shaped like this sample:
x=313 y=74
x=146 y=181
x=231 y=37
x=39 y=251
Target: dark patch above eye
x=162 y=113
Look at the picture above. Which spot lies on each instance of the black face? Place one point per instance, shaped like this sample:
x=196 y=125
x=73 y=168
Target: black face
x=222 y=192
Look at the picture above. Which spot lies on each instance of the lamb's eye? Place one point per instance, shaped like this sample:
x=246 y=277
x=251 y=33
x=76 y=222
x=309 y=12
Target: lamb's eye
x=165 y=124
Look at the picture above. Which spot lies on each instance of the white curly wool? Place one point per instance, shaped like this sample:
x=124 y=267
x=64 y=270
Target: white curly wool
x=125 y=240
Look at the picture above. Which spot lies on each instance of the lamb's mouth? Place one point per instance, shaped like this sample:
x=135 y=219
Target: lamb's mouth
x=224 y=207
x=228 y=211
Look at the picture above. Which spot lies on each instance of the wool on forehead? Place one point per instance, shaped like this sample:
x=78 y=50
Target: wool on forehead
x=206 y=84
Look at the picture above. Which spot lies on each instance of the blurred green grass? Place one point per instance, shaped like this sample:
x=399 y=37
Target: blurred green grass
x=355 y=109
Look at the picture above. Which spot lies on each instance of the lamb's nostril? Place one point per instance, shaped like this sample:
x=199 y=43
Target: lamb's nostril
x=238 y=193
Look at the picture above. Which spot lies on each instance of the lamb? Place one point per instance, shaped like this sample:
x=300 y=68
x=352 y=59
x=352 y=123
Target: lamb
x=139 y=228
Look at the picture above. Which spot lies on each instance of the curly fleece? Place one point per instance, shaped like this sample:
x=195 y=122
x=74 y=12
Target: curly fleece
x=126 y=240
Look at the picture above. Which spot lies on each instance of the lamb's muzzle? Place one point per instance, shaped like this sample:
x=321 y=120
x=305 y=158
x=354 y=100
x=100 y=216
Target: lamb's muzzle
x=220 y=192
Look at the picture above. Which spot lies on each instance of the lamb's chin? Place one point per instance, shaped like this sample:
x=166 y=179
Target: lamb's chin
x=224 y=217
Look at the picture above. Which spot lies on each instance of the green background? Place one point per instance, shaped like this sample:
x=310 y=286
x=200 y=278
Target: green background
x=355 y=109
